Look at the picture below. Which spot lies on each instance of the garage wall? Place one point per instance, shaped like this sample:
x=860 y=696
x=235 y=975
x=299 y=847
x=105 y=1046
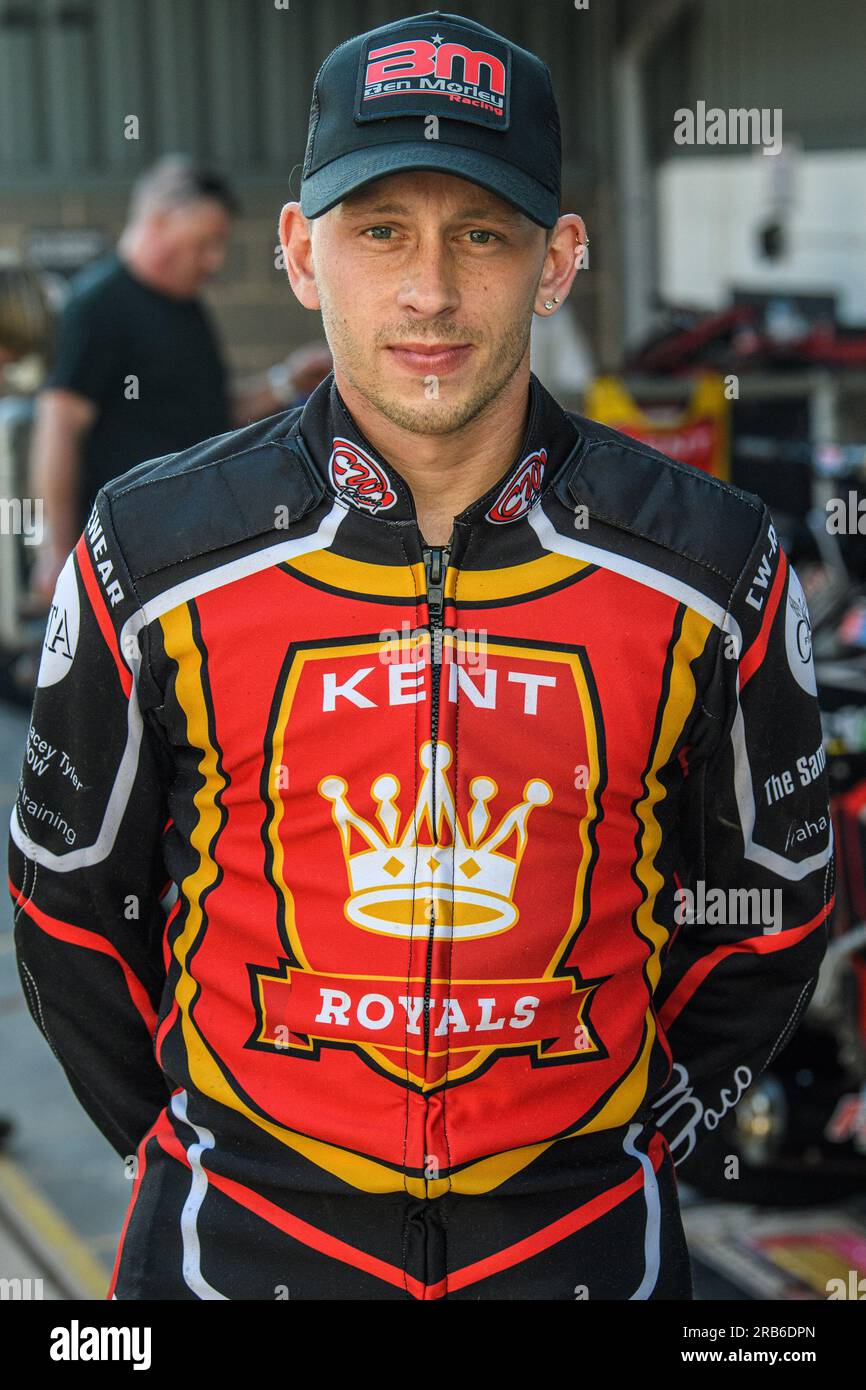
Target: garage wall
x=230 y=82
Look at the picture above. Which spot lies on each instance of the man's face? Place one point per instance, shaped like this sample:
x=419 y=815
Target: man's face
x=193 y=241
x=427 y=284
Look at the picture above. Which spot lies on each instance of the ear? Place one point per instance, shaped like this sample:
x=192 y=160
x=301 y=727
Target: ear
x=297 y=247
x=566 y=252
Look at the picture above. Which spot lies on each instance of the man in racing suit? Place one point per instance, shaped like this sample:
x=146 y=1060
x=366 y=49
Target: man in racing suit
x=408 y=878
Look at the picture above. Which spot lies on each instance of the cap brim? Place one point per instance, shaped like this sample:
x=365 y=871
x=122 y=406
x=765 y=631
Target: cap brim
x=330 y=184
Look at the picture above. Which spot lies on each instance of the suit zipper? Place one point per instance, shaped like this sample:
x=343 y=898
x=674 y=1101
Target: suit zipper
x=436 y=567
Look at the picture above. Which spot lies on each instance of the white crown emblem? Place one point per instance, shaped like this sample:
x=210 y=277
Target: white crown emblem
x=401 y=883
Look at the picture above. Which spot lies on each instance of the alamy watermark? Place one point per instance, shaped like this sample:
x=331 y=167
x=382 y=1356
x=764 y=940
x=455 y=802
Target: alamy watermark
x=22 y=516
x=758 y=907
x=736 y=126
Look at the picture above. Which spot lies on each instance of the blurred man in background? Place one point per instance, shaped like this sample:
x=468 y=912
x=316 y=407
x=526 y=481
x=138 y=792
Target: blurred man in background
x=138 y=370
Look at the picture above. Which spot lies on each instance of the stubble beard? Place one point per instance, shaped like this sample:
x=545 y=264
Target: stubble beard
x=436 y=416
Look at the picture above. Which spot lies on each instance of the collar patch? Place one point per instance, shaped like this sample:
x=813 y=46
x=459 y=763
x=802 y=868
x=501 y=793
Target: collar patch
x=521 y=490
x=359 y=479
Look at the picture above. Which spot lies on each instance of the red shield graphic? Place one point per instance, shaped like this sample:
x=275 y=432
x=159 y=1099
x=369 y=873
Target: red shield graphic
x=430 y=881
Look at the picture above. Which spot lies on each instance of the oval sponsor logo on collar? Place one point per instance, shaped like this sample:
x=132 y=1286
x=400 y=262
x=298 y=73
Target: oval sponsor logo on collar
x=521 y=491
x=358 y=478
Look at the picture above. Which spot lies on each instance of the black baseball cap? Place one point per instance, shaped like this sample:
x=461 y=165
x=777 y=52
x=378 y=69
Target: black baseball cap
x=498 y=123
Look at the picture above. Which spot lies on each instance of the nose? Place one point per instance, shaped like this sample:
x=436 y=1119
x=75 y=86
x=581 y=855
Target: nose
x=429 y=286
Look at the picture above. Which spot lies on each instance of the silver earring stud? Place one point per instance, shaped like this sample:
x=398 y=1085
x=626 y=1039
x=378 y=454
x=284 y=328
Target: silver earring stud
x=549 y=303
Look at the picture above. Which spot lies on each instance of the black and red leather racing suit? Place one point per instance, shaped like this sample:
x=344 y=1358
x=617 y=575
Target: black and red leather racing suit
x=351 y=874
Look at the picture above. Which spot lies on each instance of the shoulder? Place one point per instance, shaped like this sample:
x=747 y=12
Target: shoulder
x=94 y=307
x=96 y=285
x=222 y=491
x=636 y=489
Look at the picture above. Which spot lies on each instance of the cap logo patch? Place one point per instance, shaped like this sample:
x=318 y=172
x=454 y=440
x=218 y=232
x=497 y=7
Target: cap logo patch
x=359 y=479
x=522 y=489
x=435 y=74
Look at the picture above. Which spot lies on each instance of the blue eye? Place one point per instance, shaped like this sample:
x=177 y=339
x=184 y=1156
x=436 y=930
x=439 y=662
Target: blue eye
x=479 y=231
x=374 y=230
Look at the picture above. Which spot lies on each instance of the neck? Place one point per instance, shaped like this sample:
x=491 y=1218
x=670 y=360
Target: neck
x=448 y=472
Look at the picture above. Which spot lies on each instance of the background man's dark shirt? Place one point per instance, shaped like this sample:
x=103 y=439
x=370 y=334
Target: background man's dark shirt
x=114 y=328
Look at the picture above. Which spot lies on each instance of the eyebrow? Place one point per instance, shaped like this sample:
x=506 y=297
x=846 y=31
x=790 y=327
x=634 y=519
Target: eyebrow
x=480 y=210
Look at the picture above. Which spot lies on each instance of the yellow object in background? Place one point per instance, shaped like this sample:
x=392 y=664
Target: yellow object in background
x=698 y=434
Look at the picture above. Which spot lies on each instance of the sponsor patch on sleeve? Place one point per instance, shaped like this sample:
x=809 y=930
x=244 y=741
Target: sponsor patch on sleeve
x=61 y=630
x=798 y=636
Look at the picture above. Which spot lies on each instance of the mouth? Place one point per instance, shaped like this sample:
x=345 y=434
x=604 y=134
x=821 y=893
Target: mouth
x=430 y=359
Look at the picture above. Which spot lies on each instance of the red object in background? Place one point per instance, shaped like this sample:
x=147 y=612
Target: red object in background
x=697 y=433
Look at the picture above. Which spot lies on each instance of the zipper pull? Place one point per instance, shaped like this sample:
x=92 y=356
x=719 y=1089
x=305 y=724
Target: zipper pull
x=436 y=563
